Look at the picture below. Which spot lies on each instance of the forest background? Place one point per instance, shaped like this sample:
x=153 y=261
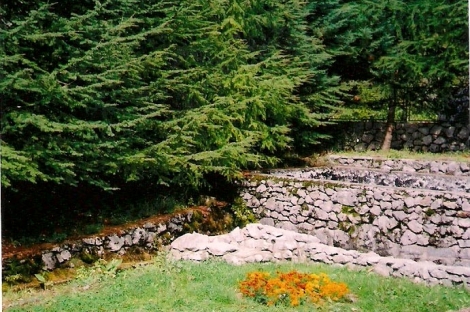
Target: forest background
x=106 y=104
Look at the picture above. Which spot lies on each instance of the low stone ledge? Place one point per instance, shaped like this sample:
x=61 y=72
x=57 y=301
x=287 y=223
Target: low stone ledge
x=447 y=167
x=382 y=178
x=150 y=237
x=263 y=243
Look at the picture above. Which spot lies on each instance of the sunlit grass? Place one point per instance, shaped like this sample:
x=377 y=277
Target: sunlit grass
x=212 y=286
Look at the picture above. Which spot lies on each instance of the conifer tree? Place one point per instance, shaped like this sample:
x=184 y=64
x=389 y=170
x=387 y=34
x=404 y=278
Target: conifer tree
x=410 y=53
x=124 y=90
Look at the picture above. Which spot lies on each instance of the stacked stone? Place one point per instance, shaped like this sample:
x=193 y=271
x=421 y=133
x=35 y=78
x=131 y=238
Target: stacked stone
x=150 y=236
x=379 y=177
x=262 y=243
x=399 y=222
x=405 y=165
x=424 y=137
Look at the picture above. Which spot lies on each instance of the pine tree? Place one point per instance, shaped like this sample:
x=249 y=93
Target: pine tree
x=124 y=90
x=400 y=52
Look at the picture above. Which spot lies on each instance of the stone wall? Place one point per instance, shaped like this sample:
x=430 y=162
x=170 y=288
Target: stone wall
x=425 y=137
x=262 y=243
x=150 y=237
x=383 y=178
x=400 y=222
x=445 y=167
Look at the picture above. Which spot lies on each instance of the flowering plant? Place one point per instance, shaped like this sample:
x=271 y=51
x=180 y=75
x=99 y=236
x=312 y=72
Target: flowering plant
x=292 y=288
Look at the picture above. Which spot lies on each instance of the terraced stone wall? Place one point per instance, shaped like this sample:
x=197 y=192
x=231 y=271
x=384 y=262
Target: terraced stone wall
x=425 y=137
x=148 y=237
x=442 y=167
x=400 y=222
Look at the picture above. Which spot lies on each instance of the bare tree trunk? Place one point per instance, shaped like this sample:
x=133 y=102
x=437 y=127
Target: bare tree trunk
x=387 y=142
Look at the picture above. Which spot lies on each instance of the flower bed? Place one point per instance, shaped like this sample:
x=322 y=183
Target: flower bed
x=292 y=288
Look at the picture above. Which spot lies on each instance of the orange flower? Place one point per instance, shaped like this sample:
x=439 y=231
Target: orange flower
x=292 y=288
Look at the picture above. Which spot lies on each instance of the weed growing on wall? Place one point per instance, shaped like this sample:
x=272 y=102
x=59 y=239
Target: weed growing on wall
x=292 y=288
x=243 y=215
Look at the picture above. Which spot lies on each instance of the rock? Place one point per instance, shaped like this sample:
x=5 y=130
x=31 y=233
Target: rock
x=399 y=215
x=415 y=226
x=270 y=204
x=408 y=238
x=440 y=140
x=89 y=241
x=464 y=243
x=464 y=167
x=427 y=140
x=49 y=261
x=438 y=273
x=115 y=242
x=161 y=228
x=367 y=138
x=220 y=249
x=384 y=223
x=410 y=202
x=407 y=168
x=382 y=270
x=63 y=256
x=190 y=242
x=465 y=223
x=321 y=214
x=466 y=206
x=138 y=235
x=375 y=210
x=261 y=188
x=463 y=133
x=435 y=130
x=346 y=198
x=267 y=221
x=287 y=226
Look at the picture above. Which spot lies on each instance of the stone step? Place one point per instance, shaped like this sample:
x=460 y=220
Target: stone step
x=443 y=167
x=437 y=182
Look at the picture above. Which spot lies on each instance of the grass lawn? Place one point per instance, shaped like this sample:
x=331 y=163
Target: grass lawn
x=212 y=286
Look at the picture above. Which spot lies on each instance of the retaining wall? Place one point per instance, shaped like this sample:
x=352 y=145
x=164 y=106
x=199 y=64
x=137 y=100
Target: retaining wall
x=446 y=167
x=379 y=177
x=399 y=222
x=150 y=237
x=432 y=137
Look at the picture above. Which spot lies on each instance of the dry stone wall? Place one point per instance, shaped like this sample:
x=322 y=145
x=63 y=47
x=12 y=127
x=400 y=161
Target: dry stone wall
x=379 y=177
x=150 y=236
x=262 y=243
x=406 y=165
x=425 y=137
x=422 y=225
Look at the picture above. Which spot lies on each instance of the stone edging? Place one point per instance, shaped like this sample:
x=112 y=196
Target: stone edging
x=150 y=236
x=437 y=182
x=262 y=243
x=448 y=167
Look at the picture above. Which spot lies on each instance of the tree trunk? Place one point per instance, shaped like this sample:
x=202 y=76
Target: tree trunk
x=387 y=142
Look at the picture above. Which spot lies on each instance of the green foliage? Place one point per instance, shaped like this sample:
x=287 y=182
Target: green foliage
x=16 y=271
x=92 y=228
x=126 y=90
x=243 y=215
x=100 y=270
x=411 y=53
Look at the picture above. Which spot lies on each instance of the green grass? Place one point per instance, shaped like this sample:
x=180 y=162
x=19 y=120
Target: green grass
x=212 y=286
x=405 y=154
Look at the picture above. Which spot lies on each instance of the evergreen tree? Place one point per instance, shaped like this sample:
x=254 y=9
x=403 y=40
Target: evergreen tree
x=410 y=54
x=127 y=90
